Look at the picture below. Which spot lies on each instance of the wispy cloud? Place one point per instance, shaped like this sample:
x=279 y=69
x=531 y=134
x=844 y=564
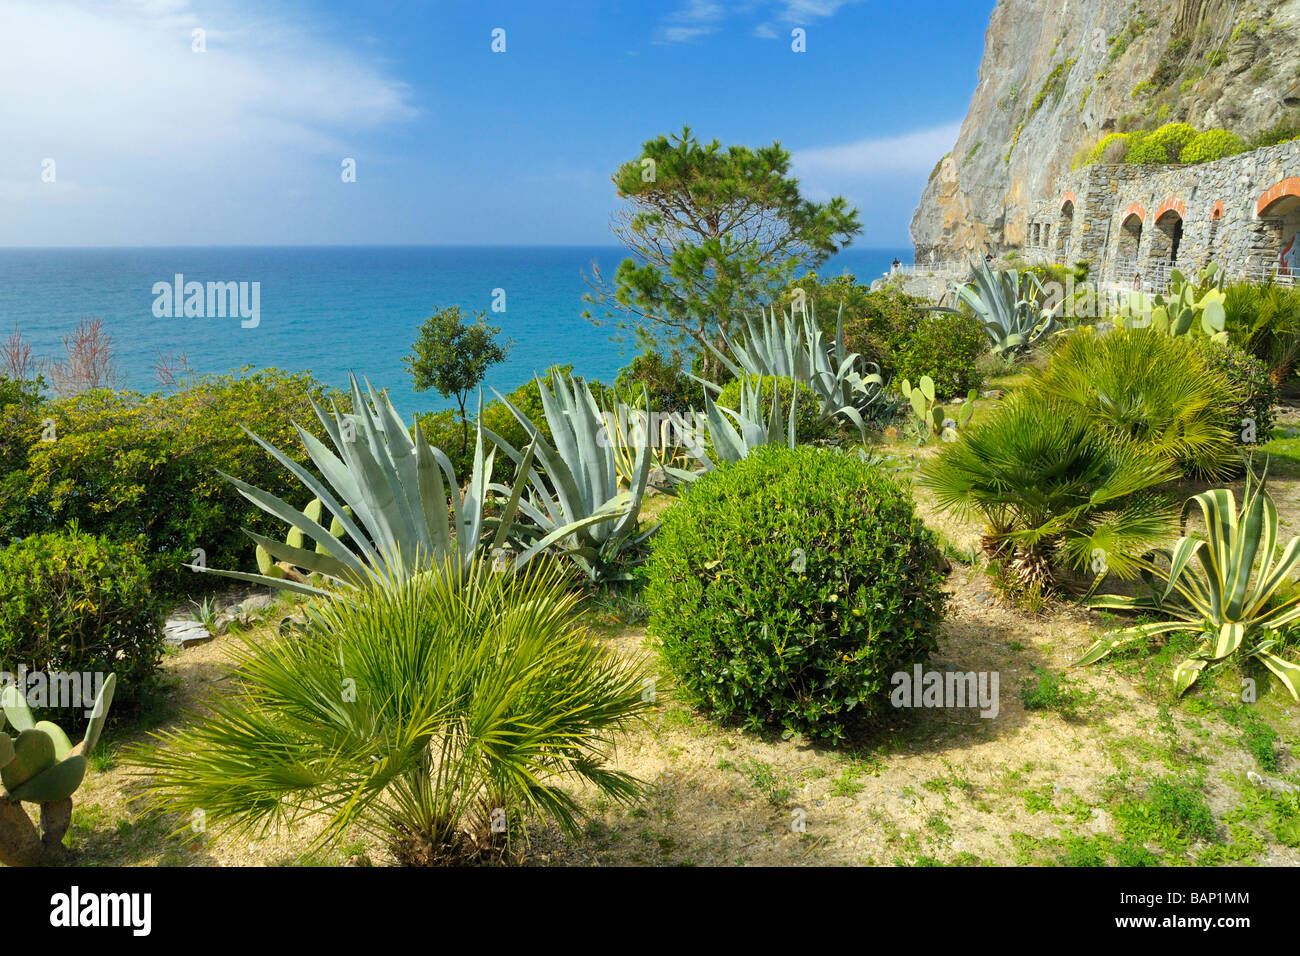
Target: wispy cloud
x=906 y=153
x=699 y=18
x=695 y=19
x=122 y=79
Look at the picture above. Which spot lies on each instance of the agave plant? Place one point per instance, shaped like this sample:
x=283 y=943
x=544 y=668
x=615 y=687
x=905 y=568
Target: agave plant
x=394 y=498
x=1053 y=491
x=1007 y=303
x=438 y=711
x=731 y=443
x=798 y=352
x=1240 y=594
x=575 y=494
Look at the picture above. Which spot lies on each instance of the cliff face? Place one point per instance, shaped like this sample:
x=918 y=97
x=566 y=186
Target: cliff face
x=1059 y=75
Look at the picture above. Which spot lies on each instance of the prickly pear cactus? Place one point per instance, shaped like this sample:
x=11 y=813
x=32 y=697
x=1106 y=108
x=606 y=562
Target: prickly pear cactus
x=40 y=765
x=931 y=417
x=267 y=564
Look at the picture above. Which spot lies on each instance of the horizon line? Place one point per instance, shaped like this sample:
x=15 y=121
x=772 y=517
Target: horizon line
x=390 y=245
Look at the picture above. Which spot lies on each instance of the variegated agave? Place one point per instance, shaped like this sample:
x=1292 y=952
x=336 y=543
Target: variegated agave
x=1241 y=596
x=576 y=496
x=395 y=497
x=798 y=351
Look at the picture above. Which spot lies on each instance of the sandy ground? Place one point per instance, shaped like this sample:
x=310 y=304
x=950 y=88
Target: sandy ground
x=928 y=786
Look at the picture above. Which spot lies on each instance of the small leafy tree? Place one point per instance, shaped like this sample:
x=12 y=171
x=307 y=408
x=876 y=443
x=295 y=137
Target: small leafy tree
x=716 y=233
x=452 y=355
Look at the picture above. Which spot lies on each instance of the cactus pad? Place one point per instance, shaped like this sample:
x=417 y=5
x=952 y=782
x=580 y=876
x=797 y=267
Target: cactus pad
x=33 y=753
x=55 y=783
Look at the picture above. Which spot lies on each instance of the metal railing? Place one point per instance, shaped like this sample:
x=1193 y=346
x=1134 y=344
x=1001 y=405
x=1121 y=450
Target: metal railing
x=924 y=269
x=1274 y=274
x=1152 y=277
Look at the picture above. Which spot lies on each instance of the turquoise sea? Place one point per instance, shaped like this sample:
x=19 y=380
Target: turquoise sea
x=331 y=310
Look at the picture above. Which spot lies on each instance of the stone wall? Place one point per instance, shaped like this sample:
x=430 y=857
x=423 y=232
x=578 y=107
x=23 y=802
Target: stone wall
x=1133 y=223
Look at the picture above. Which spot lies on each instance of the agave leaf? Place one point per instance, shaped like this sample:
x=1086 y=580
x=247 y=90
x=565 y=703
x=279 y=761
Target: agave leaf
x=1186 y=673
x=1285 y=671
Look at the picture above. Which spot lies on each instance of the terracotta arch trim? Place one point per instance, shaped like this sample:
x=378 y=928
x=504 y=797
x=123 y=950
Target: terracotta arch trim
x=1134 y=210
x=1287 y=187
x=1172 y=204
x=1069 y=200
x=1217 y=211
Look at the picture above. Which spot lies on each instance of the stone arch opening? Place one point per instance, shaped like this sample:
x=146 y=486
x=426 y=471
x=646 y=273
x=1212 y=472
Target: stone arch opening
x=1275 y=246
x=1065 y=230
x=1166 y=238
x=1130 y=241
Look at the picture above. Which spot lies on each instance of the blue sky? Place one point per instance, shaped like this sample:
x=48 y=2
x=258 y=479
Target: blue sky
x=156 y=144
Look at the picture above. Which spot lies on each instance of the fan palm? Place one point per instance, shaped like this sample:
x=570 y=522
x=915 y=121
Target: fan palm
x=423 y=709
x=1148 y=388
x=1053 y=489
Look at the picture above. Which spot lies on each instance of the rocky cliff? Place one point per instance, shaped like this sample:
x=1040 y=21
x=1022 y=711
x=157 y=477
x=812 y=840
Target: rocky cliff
x=1059 y=75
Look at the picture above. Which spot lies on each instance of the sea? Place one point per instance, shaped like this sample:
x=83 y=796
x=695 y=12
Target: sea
x=330 y=310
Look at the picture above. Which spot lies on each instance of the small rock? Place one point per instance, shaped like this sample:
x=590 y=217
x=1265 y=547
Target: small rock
x=1100 y=822
x=359 y=860
x=184 y=632
x=1292 y=432
x=254 y=603
x=1271 y=783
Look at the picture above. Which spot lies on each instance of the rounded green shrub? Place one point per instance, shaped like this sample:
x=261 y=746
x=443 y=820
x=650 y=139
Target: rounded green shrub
x=1112 y=149
x=1213 y=144
x=71 y=601
x=1252 y=414
x=1163 y=145
x=946 y=346
x=789 y=587
x=809 y=426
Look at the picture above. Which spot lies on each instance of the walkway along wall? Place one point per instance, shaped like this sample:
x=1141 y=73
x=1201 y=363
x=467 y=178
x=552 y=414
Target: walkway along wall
x=1133 y=223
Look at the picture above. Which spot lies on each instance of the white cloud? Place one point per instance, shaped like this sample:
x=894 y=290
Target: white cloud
x=115 y=93
x=907 y=153
x=699 y=18
x=695 y=19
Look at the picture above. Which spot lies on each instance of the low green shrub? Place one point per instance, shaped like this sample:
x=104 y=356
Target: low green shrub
x=1110 y=150
x=71 y=601
x=1283 y=131
x=1211 y=145
x=809 y=426
x=20 y=428
x=1252 y=414
x=947 y=347
x=662 y=379
x=1163 y=145
x=787 y=589
x=130 y=466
